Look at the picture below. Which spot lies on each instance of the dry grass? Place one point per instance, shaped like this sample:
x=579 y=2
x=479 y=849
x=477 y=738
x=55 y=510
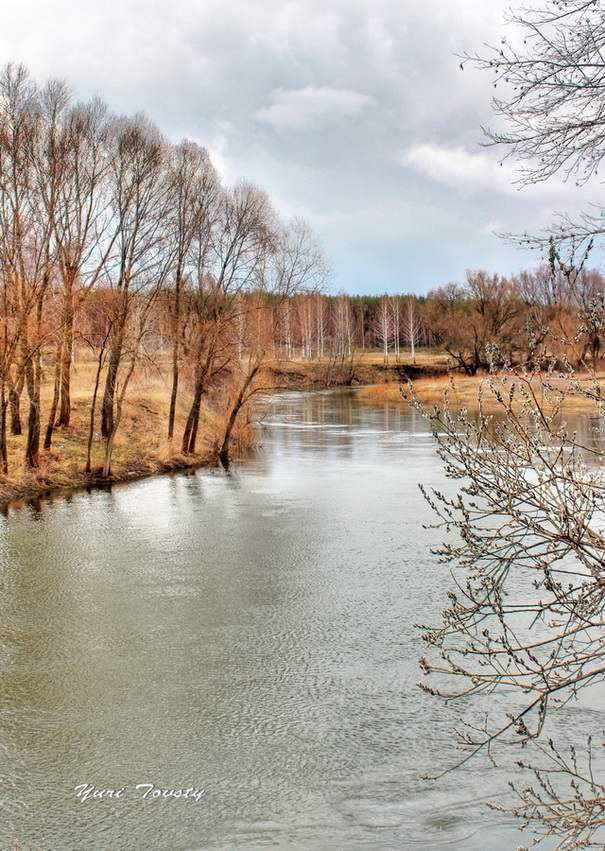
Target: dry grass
x=382 y=394
x=425 y=358
x=141 y=446
x=430 y=391
x=463 y=392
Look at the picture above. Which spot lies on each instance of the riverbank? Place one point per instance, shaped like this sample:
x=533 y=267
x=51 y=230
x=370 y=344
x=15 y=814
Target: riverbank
x=142 y=448
x=31 y=485
x=363 y=368
x=463 y=392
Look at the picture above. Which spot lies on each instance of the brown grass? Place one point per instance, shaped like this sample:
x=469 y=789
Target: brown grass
x=463 y=393
x=430 y=391
x=382 y=394
x=425 y=358
x=141 y=446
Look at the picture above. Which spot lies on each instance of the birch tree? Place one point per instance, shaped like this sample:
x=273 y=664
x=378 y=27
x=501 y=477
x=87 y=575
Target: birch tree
x=396 y=325
x=411 y=324
x=342 y=324
x=383 y=327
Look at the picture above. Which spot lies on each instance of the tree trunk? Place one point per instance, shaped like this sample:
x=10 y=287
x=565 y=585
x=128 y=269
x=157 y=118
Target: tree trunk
x=236 y=408
x=3 y=446
x=201 y=375
x=93 y=406
x=175 y=355
x=118 y=416
x=15 y=408
x=14 y=400
x=32 y=445
x=65 y=367
x=224 y=452
x=109 y=393
x=191 y=426
x=109 y=450
x=50 y=425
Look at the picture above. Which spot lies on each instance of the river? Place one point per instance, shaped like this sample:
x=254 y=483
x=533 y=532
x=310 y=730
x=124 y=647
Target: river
x=246 y=634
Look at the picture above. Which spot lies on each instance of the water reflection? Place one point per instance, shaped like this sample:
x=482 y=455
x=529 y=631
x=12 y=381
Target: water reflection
x=250 y=633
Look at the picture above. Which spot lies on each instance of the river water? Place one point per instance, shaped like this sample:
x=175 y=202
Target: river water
x=249 y=634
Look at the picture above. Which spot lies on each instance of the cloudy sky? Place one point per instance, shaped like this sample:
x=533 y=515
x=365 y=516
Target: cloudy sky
x=352 y=113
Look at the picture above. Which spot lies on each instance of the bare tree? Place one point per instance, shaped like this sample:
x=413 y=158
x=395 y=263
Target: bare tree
x=551 y=84
x=142 y=256
x=248 y=375
x=81 y=234
x=554 y=87
x=319 y=305
x=230 y=249
x=396 y=325
x=112 y=237
x=292 y=265
x=411 y=323
x=383 y=327
x=304 y=312
x=525 y=622
x=25 y=233
x=192 y=182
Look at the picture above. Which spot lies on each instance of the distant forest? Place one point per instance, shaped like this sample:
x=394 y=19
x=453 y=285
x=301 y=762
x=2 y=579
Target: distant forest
x=518 y=315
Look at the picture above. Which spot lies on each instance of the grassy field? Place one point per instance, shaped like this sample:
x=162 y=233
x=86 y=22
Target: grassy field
x=463 y=392
x=141 y=446
x=424 y=358
x=430 y=391
x=363 y=367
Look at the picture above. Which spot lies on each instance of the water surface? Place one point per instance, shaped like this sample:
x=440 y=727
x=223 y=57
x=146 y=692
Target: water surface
x=249 y=634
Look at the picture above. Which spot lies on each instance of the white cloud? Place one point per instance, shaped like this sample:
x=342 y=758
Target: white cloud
x=314 y=100
x=474 y=173
x=458 y=168
x=310 y=108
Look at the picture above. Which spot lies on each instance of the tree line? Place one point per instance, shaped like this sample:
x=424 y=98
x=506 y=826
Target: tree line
x=114 y=239
x=517 y=313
